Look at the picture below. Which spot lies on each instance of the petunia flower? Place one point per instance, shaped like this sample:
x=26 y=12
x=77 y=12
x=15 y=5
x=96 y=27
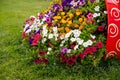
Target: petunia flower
x=35 y=42
x=37 y=61
x=64 y=50
x=89 y=15
x=97 y=8
x=70 y=62
x=99 y=45
x=100 y=28
x=44 y=60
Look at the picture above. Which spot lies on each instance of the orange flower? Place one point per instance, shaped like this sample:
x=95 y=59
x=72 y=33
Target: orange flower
x=67 y=29
x=80 y=27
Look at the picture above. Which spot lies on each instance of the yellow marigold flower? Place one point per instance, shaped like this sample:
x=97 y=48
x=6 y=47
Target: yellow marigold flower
x=78 y=12
x=67 y=29
x=62 y=28
x=76 y=25
x=80 y=20
x=69 y=22
x=62 y=13
x=63 y=21
x=71 y=15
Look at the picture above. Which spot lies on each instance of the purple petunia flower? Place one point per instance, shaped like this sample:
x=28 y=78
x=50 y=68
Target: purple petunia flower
x=64 y=50
x=92 y=0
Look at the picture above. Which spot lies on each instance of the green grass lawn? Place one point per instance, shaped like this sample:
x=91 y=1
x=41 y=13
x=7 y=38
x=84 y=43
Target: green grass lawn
x=16 y=62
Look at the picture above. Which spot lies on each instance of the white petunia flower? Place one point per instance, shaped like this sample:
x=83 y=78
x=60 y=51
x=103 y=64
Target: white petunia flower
x=43 y=40
x=69 y=50
x=67 y=35
x=73 y=39
x=92 y=36
x=61 y=45
x=85 y=44
x=48 y=53
x=80 y=42
x=97 y=8
x=49 y=49
x=50 y=36
x=76 y=47
x=28 y=31
x=89 y=42
x=76 y=33
x=105 y=12
x=96 y=14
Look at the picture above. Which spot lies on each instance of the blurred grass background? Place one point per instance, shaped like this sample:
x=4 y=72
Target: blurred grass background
x=15 y=59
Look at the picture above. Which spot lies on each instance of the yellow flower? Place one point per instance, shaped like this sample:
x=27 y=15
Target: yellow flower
x=71 y=15
x=78 y=12
x=76 y=25
x=80 y=20
x=62 y=13
x=57 y=17
x=60 y=29
x=69 y=22
x=63 y=21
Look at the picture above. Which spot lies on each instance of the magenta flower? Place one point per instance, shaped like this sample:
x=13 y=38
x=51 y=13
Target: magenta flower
x=89 y=15
x=99 y=44
x=88 y=50
x=64 y=50
x=94 y=49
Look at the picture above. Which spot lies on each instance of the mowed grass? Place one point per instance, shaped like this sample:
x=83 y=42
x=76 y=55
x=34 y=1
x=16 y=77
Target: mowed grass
x=16 y=60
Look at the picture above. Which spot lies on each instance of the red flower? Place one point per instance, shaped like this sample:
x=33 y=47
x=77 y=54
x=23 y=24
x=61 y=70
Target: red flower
x=83 y=55
x=89 y=50
x=74 y=57
x=100 y=28
x=37 y=36
x=37 y=61
x=32 y=18
x=35 y=42
x=23 y=35
x=94 y=49
x=50 y=24
x=64 y=58
x=49 y=43
x=41 y=53
x=60 y=55
x=72 y=46
x=99 y=44
x=70 y=62
x=44 y=60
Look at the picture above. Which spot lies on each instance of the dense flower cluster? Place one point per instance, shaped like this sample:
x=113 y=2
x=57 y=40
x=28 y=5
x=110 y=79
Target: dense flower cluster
x=72 y=30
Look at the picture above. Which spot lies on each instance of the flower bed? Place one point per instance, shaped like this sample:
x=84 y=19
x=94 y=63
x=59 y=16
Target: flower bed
x=73 y=31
